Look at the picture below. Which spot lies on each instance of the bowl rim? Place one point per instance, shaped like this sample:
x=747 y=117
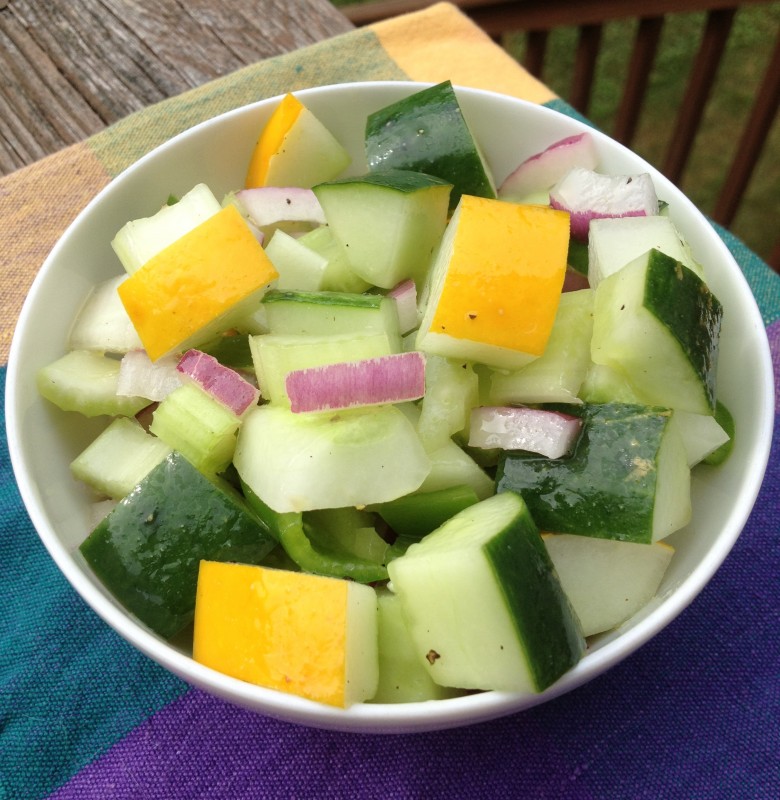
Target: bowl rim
x=370 y=717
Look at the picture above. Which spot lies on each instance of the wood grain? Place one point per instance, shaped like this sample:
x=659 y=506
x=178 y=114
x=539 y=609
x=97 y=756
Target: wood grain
x=71 y=67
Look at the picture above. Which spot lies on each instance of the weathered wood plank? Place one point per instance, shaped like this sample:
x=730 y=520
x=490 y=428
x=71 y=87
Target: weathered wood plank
x=71 y=67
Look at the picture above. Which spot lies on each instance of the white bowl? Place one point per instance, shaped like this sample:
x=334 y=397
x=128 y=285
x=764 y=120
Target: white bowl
x=43 y=440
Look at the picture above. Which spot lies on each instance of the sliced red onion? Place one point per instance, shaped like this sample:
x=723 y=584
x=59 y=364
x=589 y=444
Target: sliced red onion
x=543 y=170
x=222 y=383
x=549 y=433
x=396 y=378
x=405 y=296
x=139 y=376
x=269 y=207
x=588 y=195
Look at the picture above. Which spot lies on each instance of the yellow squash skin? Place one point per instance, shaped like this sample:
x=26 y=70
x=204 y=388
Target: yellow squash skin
x=281 y=630
x=271 y=140
x=191 y=287
x=502 y=282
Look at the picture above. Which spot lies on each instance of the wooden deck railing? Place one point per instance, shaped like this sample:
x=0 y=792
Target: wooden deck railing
x=537 y=19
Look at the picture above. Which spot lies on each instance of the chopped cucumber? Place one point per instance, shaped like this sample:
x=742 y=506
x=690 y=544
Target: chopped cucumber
x=628 y=478
x=557 y=375
x=302 y=462
x=147 y=550
x=275 y=356
x=604 y=384
x=402 y=678
x=119 y=458
x=607 y=581
x=86 y=381
x=198 y=426
x=140 y=239
x=389 y=223
x=427 y=132
x=298 y=266
x=102 y=323
x=617 y=241
x=453 y=466
x=338 y=275
x=329 y=313
x=725 y=419
x=658 y=323
x=482 y=603
x=451 y=391
x=702 y=435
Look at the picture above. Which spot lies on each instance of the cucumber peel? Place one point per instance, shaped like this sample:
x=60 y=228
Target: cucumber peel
x=427 y=132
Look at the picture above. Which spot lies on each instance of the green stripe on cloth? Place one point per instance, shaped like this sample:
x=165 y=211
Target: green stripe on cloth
x=762 y=279
x=69 y=686
x=353 y=56
x=564 y=108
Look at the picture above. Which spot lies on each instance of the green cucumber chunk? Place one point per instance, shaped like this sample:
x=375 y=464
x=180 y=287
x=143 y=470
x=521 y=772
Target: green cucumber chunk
x=298 y=266
x=198 y=426
x=725 y=419
x=607 y=581
x=141 y=239
x=338 y=275
x=452 y=466
x=332 y=313
x=659 y=324
x=483 y=604
x=307 y=462
x=558 y=374
x=86 y=382
x=402 y=678
x=451 y=391
x=617 y=241
x=388 y=223
x=147 y=550
x=604 y=384
x=627 y=479
x=427 y=132
x=102 y=323
x=119 y=458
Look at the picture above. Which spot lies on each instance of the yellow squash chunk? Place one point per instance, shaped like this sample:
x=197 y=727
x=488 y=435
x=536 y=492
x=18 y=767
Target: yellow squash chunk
x=495 y=283
x=303 y=634
x=295 y=149
x=197 y=286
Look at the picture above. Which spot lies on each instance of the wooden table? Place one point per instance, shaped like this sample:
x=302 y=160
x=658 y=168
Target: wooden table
x=71 y=67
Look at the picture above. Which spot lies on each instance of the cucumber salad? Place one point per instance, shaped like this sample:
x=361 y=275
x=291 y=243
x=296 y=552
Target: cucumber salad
x=396 y=436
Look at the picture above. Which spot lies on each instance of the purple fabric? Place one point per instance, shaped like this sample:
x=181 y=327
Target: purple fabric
x=773 y=334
